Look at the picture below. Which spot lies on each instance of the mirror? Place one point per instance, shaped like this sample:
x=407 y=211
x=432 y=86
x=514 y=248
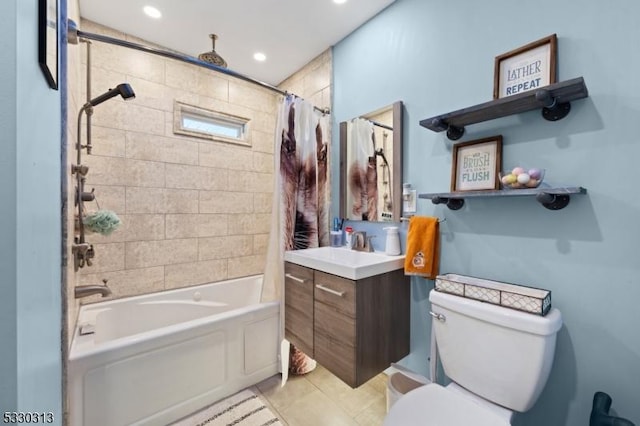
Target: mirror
x=371 y=165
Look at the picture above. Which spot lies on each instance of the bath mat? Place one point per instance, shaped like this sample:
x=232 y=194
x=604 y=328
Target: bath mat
x=242 y=409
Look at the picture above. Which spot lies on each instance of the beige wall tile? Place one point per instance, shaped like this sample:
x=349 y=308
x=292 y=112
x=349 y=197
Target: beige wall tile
x=181 y=201
x=262 y=202
x=260 y=243
x=262 y=141
x=108 y=257
x=249 y=224
x=142 y=119
x=225 y=202
x=222 y=156
x=105 y=170
x=130 y=282
x=224 y=247
x=145 y=200
x=195 y=225
x=263 y=162
x=109 y=197
x=151 y=94
x=192 y=211
x=186 y=274
x=317 y=79
x=181 y=76
x=194 y=177
x=143 y=254
x=245 y=266
x=241 y=93
x=210 y=84
x=145 y=173
x=143 y=146
x=250 y=182
x=107 y=142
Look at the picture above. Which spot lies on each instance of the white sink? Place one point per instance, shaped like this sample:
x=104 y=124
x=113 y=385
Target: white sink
x=345 y=262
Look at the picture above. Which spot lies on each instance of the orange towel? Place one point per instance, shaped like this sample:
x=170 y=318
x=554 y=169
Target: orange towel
x=423 y=247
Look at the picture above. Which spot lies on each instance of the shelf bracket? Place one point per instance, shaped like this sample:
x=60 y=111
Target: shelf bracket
x=553 y=201
x=454 y=133
x=552 y=110
x=452 y=203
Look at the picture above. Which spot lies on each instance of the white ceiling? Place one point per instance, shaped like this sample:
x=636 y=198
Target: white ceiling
x=289 y=32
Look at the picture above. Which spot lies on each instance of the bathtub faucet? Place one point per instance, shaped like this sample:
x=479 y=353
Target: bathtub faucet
x=88 y=290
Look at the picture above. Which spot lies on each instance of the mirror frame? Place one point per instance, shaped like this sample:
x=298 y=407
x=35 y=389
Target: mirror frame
x=396 y=176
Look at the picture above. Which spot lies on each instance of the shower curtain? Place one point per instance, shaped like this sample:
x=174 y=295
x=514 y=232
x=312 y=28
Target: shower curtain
x=301 y=203
x=362 y=172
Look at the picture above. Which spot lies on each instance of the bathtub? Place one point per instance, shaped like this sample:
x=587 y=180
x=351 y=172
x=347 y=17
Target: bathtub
x=153 y=359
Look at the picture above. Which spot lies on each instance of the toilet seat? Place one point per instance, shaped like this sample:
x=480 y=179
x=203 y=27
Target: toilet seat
x=434 y=405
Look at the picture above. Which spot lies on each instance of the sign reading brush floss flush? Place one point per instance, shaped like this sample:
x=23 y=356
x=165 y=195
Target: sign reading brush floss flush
x=476 y=164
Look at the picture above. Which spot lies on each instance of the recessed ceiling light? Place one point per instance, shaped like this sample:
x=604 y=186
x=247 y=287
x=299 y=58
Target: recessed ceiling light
x=152 y=12
x=258 y=56
x=339 y=1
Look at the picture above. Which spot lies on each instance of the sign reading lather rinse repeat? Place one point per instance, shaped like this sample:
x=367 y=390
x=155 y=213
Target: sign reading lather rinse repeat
x=526 y=68
x=476 y=164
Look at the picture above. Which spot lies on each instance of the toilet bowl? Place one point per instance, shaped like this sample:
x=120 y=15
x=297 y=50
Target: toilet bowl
x=498 y=361
x=436 y=405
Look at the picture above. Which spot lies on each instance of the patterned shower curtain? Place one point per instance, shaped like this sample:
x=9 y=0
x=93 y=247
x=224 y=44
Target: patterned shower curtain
x=362 y=171
x=301 y=202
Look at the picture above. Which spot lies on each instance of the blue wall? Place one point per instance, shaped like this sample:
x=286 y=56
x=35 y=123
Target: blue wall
x=30 y=229
x=437 y=56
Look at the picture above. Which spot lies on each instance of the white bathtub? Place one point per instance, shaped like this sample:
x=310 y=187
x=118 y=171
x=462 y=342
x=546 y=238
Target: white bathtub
x=153 y=359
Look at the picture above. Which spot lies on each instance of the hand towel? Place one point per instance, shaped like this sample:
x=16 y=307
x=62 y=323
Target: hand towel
x=423 y=247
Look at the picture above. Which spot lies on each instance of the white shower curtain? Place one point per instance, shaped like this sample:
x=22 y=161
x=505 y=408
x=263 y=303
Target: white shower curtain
x=362 y=175
x=300 y=208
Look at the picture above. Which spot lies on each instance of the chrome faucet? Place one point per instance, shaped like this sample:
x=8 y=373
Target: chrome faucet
x=361 y=242
x=88 y=290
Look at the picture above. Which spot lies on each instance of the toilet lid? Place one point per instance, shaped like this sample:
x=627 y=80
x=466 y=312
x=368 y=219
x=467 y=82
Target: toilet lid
x=433 y=405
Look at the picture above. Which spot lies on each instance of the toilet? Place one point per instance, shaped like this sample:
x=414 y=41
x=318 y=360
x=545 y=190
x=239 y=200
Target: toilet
x=498 y=360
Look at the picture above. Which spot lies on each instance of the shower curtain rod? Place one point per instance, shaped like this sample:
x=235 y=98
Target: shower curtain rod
x=375 y=123
x=75 y=34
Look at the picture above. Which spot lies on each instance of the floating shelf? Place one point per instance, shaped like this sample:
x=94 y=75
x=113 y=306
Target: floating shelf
x=550 y=198
x=554 y=100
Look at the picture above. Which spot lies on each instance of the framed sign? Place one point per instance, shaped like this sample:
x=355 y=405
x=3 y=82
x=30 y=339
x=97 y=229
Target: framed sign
x=526 y=68
x=476 y=164
x=48 y=40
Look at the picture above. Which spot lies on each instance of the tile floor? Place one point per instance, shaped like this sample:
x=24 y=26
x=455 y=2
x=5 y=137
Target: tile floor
x=321 y=399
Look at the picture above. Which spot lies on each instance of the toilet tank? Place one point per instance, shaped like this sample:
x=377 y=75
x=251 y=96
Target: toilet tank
x=500 y=354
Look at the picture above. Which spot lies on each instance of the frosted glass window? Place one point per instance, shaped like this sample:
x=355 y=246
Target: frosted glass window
x=202 y=123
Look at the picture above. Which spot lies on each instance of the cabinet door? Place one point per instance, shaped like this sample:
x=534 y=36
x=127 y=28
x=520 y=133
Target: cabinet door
x=298 y=314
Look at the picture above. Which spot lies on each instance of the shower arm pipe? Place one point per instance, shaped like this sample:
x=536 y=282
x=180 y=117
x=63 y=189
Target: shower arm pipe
x=184 y=58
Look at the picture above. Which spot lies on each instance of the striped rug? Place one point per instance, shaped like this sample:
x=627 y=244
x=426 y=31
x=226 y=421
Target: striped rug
x=242 y=409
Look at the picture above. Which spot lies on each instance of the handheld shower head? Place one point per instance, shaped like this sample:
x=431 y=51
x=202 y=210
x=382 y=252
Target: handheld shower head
x=122 y=89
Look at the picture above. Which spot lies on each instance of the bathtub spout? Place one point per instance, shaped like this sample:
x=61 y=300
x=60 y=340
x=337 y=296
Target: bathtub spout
x=88 y=290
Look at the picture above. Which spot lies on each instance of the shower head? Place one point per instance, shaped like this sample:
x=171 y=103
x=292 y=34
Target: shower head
x=212 y=57
x=122 y=89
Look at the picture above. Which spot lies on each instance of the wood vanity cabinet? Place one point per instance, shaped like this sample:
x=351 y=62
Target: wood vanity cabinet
x=355 y=329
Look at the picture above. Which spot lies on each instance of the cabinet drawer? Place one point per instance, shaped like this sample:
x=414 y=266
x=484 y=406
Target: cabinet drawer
x=298 y=288
x=298 y=330
x=298 y=309
x=336 y=292
x=334 y=325
x=336 y=357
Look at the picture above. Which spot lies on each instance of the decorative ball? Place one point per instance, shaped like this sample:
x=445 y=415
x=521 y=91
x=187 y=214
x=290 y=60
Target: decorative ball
x=517 y=170
x=534 y=173
x=523 y=178
x=533 y=183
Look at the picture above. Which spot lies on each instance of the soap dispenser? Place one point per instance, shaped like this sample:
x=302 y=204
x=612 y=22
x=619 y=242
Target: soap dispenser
x=392 y=246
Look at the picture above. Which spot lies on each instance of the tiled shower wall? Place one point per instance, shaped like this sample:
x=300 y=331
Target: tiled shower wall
x=193 y=210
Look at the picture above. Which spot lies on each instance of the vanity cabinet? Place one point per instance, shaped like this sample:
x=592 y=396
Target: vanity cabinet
x=298 y=300
x=359 y=327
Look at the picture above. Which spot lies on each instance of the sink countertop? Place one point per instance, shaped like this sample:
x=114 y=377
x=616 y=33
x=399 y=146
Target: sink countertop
x=345 y=262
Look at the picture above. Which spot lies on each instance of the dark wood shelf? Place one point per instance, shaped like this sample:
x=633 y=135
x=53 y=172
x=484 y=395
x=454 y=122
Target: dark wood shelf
x=551 y=198
x=554 y=100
